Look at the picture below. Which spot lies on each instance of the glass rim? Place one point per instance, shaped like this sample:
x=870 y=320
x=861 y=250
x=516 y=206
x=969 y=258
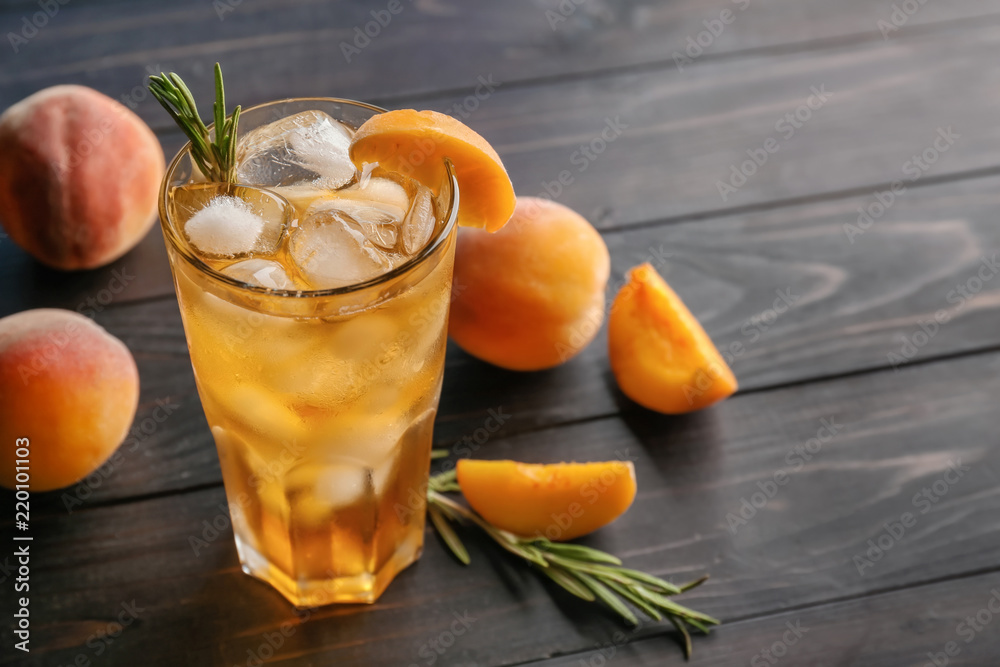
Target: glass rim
x=169 y=232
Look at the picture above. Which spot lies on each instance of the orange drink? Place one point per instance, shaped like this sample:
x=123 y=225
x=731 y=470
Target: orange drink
x=314 y=296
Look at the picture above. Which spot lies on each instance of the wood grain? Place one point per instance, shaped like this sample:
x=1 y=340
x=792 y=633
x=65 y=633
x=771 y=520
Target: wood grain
x=797 y=550
x=272 y=49
x=865 y=134
x=703 y=121
x=852 y=308
x=907 y=627
x=858 y=500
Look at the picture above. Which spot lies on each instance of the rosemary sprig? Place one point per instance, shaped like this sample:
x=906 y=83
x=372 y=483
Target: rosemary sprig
x=215 y=156
x=589 y=574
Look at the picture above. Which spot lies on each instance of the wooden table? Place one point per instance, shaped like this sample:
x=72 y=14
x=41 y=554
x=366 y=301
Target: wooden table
x=873 y=414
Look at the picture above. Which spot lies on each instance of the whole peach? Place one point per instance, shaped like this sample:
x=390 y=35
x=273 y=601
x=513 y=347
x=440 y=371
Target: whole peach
x=531 y=295
x=79 y=177
x=68 y=394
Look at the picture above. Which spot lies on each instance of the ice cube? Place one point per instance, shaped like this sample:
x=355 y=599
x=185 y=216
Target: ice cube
x=331 y=250
x=301 y=194
x=377 y=222
x=343 y=485
x=375 y=209
x=226 y=227
x=224 y=220
x=260 y=272
x=383 y=191
x=317 y=489
x=306 y=147
x=419 y=224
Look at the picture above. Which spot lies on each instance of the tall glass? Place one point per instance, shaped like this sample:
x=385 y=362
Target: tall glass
x=321 y=403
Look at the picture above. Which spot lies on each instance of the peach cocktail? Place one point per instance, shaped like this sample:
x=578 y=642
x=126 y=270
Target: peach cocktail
x=314 y=297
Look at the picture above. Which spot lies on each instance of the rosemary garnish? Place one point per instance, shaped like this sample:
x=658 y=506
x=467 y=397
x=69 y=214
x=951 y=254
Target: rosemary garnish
x=589 y=574
x=215 y=157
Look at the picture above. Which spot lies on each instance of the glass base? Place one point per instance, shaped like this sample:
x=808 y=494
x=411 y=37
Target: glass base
x=307 y=593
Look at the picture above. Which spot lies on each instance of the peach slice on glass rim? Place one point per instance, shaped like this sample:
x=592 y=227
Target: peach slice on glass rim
x=416 y=143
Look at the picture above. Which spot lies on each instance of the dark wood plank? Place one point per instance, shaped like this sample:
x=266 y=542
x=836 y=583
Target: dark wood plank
x=687 y=132
x=914 y=627
x=293 y=48
x=853 y=305
x=141 y=273
x=896 y=434
x=865 y=134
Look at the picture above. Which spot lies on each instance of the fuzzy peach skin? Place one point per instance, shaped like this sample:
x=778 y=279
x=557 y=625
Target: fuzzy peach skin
x=68 y=386
x=531 y=295
x=660 y=355
x=79 y=177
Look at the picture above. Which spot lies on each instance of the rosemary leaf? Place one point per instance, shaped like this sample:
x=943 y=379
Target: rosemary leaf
x=659 y=585
x=672 y=607
x=214 y=156
x=698 y=625
x=607 y=597
x=589 y=574
x=685 y=635
x=694 y=584
x=631 y=596
x=569 y=583
x=581 y=552
x=449 y=536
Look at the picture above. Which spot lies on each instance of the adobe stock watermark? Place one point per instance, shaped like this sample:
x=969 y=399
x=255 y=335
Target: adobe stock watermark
x=785 y=128
x=604 y=652
x=911 y=344
x=95 y=136
x=583 y=332
x=485 y=87
x=913 y=169
x=470 y=443
x=584 y=156
x=140 y=432
x=364 y=34
x=795 y=461
x=291 y=453
x=752 y=328
x=95 y=303
x=56 y=341
x=923 y=502
x=590 y=493
x=223 y=7
x=562 y=12
x=433 y=649
x=968 y=629
x=101 y=640
x=778 y=649
x=424 y=147
x=465 y=447
x=698 y=44
x=899 y=16
x=429 y=652
x=31 y=24
x=275 y=639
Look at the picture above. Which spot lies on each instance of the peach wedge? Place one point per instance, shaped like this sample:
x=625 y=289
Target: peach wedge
x=560 y=501
x=660 y=354
x=416 y=143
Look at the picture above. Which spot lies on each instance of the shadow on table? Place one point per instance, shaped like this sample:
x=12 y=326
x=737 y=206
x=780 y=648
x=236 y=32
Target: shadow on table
x=691 y=442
